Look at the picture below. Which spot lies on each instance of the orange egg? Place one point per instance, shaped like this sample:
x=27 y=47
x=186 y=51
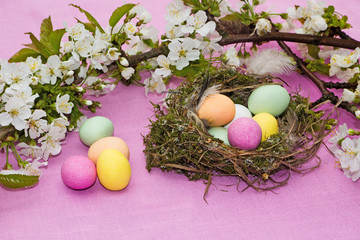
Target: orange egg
x=107 y=143
x=217 y=110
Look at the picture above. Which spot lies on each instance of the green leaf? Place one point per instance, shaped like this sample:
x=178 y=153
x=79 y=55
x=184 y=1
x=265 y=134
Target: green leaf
x=89 y=17
x=23 y=54
x=15 y=181
x=119 y=13
x=313 y=51
x=45 y=30
x=55 y=39
x=40 y=47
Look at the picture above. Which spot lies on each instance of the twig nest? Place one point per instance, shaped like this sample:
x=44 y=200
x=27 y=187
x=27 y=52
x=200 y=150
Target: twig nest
x=216 y=110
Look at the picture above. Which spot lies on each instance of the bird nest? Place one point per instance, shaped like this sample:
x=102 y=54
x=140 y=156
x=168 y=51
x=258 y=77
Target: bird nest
x=179 y=141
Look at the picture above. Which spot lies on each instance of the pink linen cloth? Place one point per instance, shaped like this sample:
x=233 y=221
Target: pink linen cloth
x=323 y=204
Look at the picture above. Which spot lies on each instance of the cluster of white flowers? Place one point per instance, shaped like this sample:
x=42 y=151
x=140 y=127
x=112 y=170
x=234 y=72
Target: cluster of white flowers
x=347 y=151
x=311 y=15
x=46 y=124
x=190 y=35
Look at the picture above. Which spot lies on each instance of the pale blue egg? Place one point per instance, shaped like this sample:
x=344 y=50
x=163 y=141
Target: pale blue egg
x=272 y=99
x=95 y=128
x=220 y=133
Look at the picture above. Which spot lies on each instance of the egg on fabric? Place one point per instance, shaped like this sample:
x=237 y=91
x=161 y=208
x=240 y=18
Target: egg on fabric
x=272 y=99
x=113 y=170
x=220 y=133
x=240 y=111
x=244 y=133
x=78 y=172
x=217 y=110
x=94 y=129
x=108 y=143
x=267 y=123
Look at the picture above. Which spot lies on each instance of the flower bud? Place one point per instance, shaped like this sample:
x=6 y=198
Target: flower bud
x=124 y=62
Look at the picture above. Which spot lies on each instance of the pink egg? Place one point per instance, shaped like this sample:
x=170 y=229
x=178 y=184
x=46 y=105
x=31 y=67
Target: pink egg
x=78 y=172
x=244 y=133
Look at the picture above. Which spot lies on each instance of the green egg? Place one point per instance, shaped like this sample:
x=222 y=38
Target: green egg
x=220 y=133
x=94 y=129
x=272 y=99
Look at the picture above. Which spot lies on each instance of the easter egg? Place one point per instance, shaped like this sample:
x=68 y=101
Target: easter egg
x=220 y=133
x=272 y=99
x=244 y=133
x=94 y=129
x=113 y=170
x=217 y=110
x=106 y=143
x=267 y=123
x=78 y=172
x=240 y=111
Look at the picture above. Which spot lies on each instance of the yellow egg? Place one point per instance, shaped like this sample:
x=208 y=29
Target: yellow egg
x=113 y=170
x=217 y=110
x=268 y=124
x=106 y=143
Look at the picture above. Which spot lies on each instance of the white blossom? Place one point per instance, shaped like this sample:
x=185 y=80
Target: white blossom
x=349 y=158
x=154 y=84
x=61 y=123
x=231 y=57
x=51 y=142
x=198 y=24
x=33 y=63
x=211 y=43
x=16 y=113
x=263 y=26
x=127 y=72
x=77 y=31
x=32 y=151
x=21 y=91
x=183 y=53
x=348 y=96
x=130 y=28
x=337 y=136
x=35 y=125
x=124 y=62
x=63 y=106
x=177 y=12
x=113 y=54
x=172 y=31
x=343 y=61
x=31 y=169
x=149 y=33
x=141 y=13
x=16 y=73
x=164 y=63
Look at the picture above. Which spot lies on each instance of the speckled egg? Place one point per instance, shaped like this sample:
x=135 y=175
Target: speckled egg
x=240 y=111
x=113 y=170
x=106 y=143
x=217 y=110
x=272 y=99
x=78 y=172
x=267 y=123
x=220 y=133
x=94 y=129
x=244 y=133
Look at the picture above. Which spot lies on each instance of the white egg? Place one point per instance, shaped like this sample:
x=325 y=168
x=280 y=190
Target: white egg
x=240 y=111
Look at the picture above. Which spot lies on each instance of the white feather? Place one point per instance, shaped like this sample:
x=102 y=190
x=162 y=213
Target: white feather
x=269 y=61
x=210 y=91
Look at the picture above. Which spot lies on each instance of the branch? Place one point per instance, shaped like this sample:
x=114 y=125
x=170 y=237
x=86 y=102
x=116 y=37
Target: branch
x=291 y=37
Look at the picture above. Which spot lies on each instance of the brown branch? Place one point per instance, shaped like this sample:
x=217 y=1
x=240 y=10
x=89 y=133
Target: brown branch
x=291 y=37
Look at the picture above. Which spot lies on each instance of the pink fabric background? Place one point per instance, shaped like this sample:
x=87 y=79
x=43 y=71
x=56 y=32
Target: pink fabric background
x=323 y=204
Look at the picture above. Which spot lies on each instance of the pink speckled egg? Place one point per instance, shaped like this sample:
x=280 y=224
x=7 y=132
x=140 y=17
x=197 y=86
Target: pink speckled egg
x=78 y=172
x=244 y=133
